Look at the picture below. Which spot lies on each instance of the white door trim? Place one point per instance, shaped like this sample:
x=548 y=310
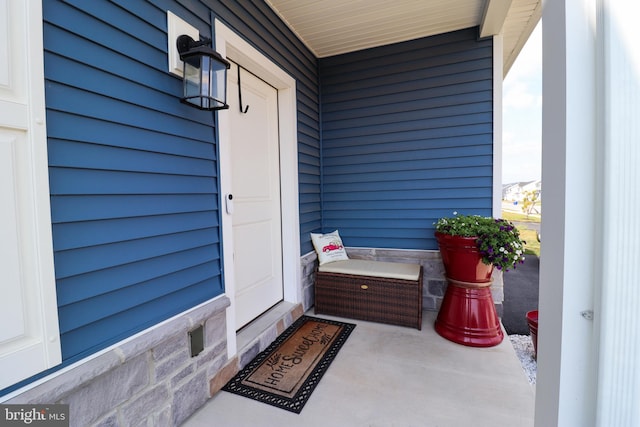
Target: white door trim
x=229 y=44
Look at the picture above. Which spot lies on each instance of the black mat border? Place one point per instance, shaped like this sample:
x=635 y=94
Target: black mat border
x=297 y=402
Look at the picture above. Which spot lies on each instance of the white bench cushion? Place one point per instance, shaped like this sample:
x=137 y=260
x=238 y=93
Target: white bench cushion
x=362 y=267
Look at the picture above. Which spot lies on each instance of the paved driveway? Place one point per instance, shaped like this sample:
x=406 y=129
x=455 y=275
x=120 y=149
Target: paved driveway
x=520 y=295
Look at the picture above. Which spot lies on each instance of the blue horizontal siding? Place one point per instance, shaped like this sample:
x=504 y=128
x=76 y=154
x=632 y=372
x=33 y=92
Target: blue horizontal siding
x=87 y=233
x=475 y=172
x=73 y=289
x=93 y=130
x=367 y=185
x=134 y=173
x=108 y=304
x=66 y=181
x=73 y=154
x=407 y=137
x=102 y=107
x=91 y=208
x=376 y=204
x=83 y=341
x=83 y=260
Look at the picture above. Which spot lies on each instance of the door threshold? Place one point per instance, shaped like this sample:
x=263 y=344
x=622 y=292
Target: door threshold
x=257 y=335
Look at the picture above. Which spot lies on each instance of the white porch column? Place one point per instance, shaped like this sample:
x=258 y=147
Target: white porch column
x=567 y=350
x=497 y=124
x=589 y=371
x=618 y=398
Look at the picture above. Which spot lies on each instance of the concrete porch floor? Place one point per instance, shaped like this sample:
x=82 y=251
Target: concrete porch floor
x=395 y=376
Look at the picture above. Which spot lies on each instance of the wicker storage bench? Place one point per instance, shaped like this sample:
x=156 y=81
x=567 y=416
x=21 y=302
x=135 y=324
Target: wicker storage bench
x=376 y=291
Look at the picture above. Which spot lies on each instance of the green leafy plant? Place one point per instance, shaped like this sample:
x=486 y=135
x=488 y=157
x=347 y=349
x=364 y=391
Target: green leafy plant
x=529 y=202
x=498 y=240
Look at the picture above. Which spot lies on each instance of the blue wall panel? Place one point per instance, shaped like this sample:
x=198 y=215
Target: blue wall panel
x=134 y=173
x=406 y=138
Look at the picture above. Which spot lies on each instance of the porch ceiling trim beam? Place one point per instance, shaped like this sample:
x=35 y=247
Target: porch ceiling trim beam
x=495 y=13
x=517 y=31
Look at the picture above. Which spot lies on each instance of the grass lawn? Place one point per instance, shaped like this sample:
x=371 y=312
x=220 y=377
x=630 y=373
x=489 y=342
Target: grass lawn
x=532 y=247
x=512 y=216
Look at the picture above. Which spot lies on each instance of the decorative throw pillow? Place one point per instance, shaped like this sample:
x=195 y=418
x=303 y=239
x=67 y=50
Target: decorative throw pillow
x=329 y=247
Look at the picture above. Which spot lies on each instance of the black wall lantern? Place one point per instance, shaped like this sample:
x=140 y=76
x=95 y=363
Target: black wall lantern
x=205 y=74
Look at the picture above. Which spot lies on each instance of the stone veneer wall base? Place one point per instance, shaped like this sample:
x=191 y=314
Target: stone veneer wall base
x=147 y=379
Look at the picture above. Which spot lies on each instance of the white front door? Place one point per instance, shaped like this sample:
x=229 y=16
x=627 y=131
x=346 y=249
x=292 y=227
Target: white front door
x=255 y=190
x=29 y=336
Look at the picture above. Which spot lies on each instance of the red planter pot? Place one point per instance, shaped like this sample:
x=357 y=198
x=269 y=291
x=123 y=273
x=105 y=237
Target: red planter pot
x=468 y=314
x=468 y=317
x=532 y=321
x=461 y=259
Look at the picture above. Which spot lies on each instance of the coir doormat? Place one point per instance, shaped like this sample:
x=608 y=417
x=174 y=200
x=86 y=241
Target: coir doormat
x=286 y=373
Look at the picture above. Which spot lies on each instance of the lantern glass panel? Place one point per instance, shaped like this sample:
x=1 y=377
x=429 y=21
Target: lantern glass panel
x=205 y=82
x=219 y=82
x=192 y=83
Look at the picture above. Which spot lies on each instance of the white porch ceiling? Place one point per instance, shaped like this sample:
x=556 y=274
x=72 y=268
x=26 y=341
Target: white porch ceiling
x=334 y=27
